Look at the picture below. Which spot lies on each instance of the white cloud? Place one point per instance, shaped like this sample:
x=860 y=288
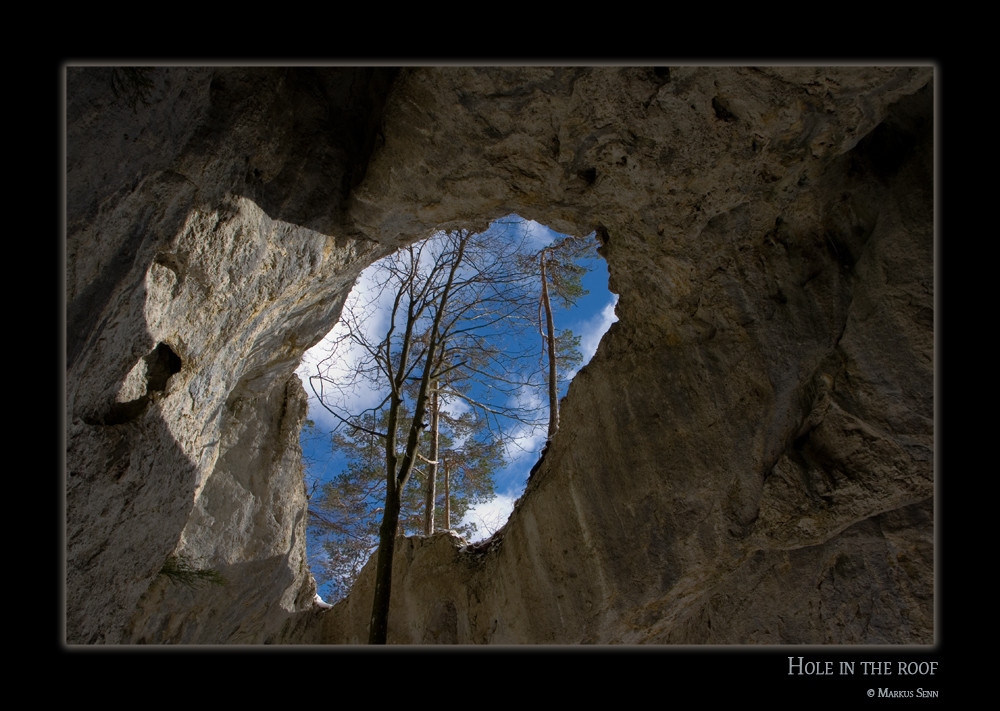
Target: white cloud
x=365 y=298
x=593 y=329
x=526 y=441
x=536 y=235
x=490 y=516
x=524 y=438
x=454 y=406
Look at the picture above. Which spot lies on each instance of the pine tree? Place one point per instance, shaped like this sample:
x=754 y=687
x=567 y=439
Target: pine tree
x=561 y=277
x=346 y=511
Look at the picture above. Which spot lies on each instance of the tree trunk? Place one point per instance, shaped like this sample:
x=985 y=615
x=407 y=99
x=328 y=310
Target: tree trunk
x=432 y=466
x=447 y=499
x=379 y=627
x=551 y=339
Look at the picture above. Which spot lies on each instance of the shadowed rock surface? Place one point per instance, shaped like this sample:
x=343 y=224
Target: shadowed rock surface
x=748 y=458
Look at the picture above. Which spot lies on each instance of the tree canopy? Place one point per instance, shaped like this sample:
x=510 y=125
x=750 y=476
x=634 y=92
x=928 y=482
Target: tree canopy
x=433 y=370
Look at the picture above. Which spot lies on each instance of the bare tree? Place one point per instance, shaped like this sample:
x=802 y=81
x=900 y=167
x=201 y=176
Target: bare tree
x=453 y=303
x=450 y=354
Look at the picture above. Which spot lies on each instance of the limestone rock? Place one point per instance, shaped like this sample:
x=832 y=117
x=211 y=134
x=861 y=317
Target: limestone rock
x=747 y=459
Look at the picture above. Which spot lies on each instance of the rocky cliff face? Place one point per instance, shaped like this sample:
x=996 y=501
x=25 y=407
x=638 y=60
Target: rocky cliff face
x=747 y=459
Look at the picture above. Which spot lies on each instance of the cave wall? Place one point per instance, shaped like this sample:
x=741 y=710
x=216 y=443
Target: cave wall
x=747 y=459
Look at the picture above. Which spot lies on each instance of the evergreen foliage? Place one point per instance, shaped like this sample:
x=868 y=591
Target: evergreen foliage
x=346 y=511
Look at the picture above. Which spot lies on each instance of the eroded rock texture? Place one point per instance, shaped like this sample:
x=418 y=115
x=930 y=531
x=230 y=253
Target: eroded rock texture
x=747 y=459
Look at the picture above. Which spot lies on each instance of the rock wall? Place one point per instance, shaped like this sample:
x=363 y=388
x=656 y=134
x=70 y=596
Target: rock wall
x=747 y=459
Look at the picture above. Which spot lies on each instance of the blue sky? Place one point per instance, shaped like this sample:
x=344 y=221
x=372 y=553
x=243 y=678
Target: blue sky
x=589 y=320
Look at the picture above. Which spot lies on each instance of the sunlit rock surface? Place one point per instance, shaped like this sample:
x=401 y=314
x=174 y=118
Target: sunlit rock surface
x=748 y=458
